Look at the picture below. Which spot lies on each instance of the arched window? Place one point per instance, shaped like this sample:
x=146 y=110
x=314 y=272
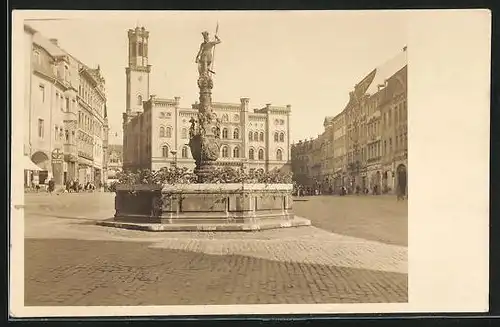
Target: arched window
x=250 y=136
x=225 y=152
x=255 y=136
x=276 y=137
x=168 y=132
x=236 y=152
x=164 y=151
x=236 y=134
x=251 y=154
x=184 y=133
x=224 y=133
x=162 y=131
x=184 y=152
x=282 y=137
x=261 y=154
x=139 y=100
x=261 y=136
x=279 y=155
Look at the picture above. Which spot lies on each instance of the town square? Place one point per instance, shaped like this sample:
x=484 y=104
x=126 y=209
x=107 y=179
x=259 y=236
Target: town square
x=143 y=186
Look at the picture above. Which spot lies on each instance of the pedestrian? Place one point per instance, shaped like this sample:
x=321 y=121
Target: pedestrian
x=51 y=186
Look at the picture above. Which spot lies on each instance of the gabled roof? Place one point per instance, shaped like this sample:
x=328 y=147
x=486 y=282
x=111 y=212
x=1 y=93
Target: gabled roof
x=386 y=70
x=50 y=47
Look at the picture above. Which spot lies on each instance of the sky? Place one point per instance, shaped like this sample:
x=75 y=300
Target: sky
x=310 y=60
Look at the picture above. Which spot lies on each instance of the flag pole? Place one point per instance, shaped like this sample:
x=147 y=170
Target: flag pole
x=213 y=54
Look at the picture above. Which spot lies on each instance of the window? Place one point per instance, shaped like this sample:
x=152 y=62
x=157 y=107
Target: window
x=251 y=154
x=37 y=57
x=41 y=89
x=236 y=152
x=67 y=136
x=184 y=133
x=261 y=136
x=168 y=132
x=224 y=133
x=276 y=136
x=250 y=136
x=41 y=131
x=282 y=137
x=236 y=134
x=139 y=100
x=225 y=152
x=184 y=152
x=145 y=46
x=139 y=46
x=67 y=105
x=255 y=136
x=279 y=155
x=164 y=151
x=261 y=154
x=162 y=131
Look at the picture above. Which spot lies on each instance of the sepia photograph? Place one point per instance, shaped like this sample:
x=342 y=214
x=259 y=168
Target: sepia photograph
x=215 y=158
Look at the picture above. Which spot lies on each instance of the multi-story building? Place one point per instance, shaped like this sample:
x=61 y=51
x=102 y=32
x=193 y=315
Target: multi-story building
x=369 y=136
x=54 y=103
x=115 y=161
x=156 y=130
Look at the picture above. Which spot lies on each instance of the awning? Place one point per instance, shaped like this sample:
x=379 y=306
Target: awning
x=30 y=165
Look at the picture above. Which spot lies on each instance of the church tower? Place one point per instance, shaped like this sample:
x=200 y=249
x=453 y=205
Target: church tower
x=138 y=69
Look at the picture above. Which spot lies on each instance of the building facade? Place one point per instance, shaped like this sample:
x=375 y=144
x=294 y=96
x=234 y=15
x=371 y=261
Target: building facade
x=156 y=130
x=115 y=161
x=54 y=106
x=367 y=140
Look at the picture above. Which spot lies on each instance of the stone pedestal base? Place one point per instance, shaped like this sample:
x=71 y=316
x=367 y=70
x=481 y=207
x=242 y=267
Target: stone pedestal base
x=205 y=207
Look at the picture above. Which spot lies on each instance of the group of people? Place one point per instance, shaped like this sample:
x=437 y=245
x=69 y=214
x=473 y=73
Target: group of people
x=304 y=190
x=75 y=186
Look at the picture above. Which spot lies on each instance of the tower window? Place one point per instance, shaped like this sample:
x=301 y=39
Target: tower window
x=225 y=152
x=139 y=100
x=261 y=136
x=184 y=133
x=250 y=136
x=139 y=46
x=224 y=133
x=282 y=137
x=251 y=154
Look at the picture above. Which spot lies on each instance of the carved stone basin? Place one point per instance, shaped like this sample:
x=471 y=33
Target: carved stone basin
x=205 y=207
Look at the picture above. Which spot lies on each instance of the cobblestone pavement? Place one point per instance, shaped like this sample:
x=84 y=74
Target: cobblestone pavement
x=377 y=218
x=71 y=261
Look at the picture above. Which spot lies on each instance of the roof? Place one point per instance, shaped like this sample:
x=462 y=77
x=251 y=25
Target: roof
x=50 y=47
x=386 y=70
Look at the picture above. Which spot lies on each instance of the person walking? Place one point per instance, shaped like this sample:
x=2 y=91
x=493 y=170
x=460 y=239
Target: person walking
x=51 y=186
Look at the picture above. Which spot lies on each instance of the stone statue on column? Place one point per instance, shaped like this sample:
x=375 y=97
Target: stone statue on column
x=203 y=141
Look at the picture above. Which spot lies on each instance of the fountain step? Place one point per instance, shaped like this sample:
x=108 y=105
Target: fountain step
x=260 y=224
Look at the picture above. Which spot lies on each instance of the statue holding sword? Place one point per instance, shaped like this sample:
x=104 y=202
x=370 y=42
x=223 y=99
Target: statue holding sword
x=204 y=58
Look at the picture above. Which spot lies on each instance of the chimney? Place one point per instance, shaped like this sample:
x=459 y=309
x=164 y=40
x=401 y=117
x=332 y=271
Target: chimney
x=54 y=42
